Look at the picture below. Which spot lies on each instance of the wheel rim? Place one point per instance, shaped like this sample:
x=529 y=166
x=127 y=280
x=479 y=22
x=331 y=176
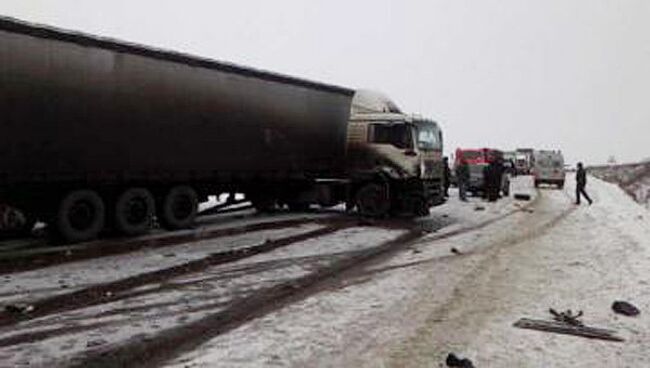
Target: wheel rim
x=137 y=211
x=82 y=215
x=182 y=206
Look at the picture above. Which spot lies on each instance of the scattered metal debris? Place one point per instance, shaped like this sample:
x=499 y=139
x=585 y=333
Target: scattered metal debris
x=456 y=362
x=522 y=197
x=567 y=329
x=625 y=308
x=19 y=308
x=567 y=317
x=456 y=251
x=479 y=208
x=95 y=343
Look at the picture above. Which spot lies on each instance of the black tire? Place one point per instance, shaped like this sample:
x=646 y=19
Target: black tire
x=298 y=206
x=178 y=208
x=264 y=204
x=80 y=216
x=373 y=200
x=134 y=210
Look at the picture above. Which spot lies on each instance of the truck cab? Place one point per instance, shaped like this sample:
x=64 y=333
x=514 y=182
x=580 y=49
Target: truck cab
x=400 y=153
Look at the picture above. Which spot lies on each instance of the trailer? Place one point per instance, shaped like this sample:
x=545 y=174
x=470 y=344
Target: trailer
x=97 y=133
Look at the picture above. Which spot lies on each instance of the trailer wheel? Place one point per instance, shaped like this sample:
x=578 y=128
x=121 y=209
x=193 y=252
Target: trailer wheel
x=372 y=200
x=264 y=203
x=134 y=210
x=178 y=208
x=298 y=206
x=80 y=216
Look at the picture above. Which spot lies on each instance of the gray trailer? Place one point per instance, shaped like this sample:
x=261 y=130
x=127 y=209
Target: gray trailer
x=97 y=132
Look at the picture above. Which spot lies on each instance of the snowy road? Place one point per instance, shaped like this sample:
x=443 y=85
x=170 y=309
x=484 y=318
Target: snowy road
x=328 y=290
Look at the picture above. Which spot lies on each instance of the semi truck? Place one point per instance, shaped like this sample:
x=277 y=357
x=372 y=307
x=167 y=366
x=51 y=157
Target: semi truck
x=98 y=134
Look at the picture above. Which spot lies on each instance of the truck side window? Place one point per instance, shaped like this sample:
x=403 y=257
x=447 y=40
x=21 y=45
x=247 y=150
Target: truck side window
x=397 y=135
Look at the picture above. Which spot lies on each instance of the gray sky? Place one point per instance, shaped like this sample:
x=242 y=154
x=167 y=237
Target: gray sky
x=566 y=74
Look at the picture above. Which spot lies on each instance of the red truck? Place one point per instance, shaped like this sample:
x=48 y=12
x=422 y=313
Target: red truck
x=477 y=159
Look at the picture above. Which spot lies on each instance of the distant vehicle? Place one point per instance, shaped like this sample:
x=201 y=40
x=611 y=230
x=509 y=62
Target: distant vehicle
x=98 y=132
x=524 y=160
x=548 y=168
x=522 y=164
x=478 y=160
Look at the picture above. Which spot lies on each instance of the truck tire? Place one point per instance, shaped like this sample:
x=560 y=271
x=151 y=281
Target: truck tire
x=80 y=216
x=15 y=223
x=298 y=206
x=373 y=200
x=134 y=210
x=264 y=204
x=178 y=208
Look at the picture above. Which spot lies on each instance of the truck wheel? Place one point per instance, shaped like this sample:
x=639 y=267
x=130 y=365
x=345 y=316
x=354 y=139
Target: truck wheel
x=298 y=206
x=264 y=204
x=133 y=211
x=15 y=223
x=417 y=206
x=80 y=216
x=179 y=208
x=372 y=200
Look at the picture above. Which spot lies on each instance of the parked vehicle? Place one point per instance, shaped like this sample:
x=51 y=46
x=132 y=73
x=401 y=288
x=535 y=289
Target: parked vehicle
x=524 y=160
x=549 y=168
x=98 y=134
x=478 y=160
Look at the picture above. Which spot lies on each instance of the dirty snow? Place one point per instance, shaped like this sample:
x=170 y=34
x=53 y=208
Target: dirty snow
x=415 y=308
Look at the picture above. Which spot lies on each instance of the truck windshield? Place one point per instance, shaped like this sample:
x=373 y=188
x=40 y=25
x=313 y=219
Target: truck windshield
x=472 y=155
x=428 y=138
x=399 y=135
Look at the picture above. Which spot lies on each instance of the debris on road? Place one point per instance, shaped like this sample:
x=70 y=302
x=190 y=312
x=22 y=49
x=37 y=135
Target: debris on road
x=567 y=317
x=479 y=208
x=522 y=197
x=567 y=329
x=95 y=343
x=456 y=251
x=625 y=309
x=19 y=308
x=455 y=362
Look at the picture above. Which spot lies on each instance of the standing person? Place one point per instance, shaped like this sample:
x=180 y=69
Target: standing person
x=492 y=180
x=446 y=176
x=462 y=177
x=581 y=184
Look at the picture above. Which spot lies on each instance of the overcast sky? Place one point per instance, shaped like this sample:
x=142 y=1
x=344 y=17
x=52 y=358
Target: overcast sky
x=556 y=74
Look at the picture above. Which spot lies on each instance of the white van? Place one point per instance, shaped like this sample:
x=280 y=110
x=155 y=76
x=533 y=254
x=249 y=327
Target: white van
x=548 y=168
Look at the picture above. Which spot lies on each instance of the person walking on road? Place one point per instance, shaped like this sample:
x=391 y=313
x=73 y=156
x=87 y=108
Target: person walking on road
x=492 y=180
x=446 y=176
x=581 y=184
x=462 y=177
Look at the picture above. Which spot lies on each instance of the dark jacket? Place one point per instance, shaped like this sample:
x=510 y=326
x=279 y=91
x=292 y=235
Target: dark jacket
x=581 y=177
x=462 y=172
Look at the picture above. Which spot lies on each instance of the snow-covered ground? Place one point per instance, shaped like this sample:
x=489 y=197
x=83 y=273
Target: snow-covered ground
x=476 y=269
x=422 y=304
